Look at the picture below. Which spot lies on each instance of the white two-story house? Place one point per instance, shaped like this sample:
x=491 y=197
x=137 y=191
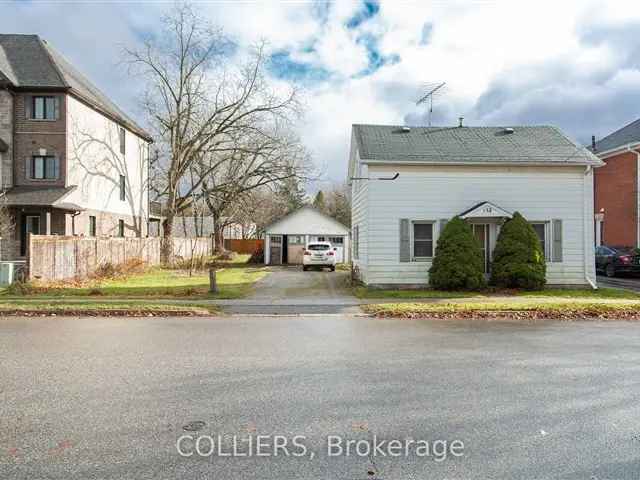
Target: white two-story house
x=72 y=163
x=408 y=182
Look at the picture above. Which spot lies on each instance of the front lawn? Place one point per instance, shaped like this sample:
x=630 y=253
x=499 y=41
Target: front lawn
x=521 y=308
x=364 y=292
x=155 y=282
x=87 y=307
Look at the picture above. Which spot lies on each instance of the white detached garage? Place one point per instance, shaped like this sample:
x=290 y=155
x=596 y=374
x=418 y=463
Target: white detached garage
x=286 y=239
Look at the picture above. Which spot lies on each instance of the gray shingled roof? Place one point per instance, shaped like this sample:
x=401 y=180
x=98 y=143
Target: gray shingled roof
x=41 y=196
x=27 y=61
x=627 y=134
x=438 y=145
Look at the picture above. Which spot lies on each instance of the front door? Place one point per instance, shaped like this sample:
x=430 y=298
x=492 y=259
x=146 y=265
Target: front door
x=275 y=249
x=30 y=224
x=481 y=232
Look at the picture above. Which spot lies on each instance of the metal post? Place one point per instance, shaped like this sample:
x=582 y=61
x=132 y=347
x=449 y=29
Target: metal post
x=213 y=284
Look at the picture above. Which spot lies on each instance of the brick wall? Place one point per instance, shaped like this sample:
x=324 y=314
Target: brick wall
x=616 y=190
x=6 y=134
x=33 y=135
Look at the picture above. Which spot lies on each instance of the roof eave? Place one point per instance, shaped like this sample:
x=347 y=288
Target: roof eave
x=133 y=128
x=628 y=147
x=492 y=164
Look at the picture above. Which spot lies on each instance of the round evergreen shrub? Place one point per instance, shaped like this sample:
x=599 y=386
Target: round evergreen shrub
x=518 y=259
x=458 y=262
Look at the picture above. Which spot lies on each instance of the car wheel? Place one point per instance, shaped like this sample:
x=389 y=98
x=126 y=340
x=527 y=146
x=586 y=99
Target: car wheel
x=304 y=268
x=610 y=270
x=333 y=268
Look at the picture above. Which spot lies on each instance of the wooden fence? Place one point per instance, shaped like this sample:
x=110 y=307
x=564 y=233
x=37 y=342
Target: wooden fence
x=245 y=245
x=52 y=257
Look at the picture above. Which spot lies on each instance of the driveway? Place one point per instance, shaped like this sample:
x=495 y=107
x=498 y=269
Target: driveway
x=288 y=289
x=108 y=397
x=626 y=283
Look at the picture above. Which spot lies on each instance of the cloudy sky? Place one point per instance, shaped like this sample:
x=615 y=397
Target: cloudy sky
x=574 y=64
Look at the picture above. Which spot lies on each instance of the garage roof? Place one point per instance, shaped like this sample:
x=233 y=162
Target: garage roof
x=307 y=221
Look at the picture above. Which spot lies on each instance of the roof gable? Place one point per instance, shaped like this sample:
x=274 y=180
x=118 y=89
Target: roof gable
x=470 y=145
x=27 y=61
x=307 y=221
x=624 y=136
x=485 y=210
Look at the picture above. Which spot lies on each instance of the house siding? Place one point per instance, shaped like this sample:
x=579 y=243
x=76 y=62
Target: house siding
x=360 y=218
x=437 y=192
x=616 y=191
x=96 y=163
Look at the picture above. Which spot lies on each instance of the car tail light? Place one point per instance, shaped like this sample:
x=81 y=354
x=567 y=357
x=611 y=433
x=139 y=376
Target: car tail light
x=330 y=254
x=626 y=259
x=307 y=252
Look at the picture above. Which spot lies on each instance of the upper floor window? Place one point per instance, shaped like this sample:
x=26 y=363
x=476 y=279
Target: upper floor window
x=123 y=188
x=44 y=167
x=121 y=133
x=45 y=108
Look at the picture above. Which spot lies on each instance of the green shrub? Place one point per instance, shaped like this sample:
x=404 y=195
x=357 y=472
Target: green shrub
x=518 y=260
x=458 y=262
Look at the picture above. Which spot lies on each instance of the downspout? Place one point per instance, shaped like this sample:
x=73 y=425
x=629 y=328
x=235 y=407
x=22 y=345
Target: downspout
x=586 y=224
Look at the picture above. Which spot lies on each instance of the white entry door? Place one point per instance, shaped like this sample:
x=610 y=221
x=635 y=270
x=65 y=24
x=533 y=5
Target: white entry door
x=481 y=232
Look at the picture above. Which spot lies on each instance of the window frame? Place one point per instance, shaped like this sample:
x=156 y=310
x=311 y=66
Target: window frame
x=122 y=181
x=121 y=228
x=93 y=226
x=122 y=137
x=415 y=258
x=45 y=110
x=548 y=241
x=46 y=159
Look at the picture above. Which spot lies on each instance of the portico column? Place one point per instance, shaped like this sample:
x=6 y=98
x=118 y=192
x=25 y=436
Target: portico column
x=47 y=222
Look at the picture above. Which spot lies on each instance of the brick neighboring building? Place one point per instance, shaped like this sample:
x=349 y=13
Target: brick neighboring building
x=616 y=192
x=71 y=162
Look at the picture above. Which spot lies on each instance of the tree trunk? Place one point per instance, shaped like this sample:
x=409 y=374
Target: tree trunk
x=218 y=234
x=166 y=245
x=218 y=239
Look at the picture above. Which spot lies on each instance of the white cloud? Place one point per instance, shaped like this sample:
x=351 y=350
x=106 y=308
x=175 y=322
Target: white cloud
x=571 y=63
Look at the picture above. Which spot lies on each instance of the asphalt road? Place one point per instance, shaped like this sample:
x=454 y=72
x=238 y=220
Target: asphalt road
x=108 y=398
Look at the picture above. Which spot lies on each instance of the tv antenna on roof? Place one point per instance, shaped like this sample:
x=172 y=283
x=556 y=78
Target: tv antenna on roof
x=432 y=90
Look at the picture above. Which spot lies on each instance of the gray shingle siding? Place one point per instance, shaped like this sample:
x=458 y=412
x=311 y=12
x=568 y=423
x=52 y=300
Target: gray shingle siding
x=450 y=145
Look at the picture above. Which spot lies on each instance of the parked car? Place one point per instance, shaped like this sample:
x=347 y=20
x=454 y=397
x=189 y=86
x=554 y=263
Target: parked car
x=319 y=254
x=614 y=260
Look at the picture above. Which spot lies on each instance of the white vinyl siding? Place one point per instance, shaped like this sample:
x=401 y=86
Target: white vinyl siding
x=360 y=218
x=436 y=192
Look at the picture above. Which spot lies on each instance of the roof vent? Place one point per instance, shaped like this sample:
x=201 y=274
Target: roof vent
x=405 y=129
x=508 y=130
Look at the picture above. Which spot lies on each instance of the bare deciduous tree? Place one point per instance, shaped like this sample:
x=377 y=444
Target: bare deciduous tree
x=202 y=106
